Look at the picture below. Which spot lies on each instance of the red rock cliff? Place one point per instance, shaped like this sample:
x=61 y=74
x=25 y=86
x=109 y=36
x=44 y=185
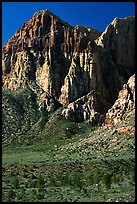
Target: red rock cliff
x=69 y=62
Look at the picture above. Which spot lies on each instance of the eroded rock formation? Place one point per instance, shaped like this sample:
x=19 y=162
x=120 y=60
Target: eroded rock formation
x=124 y=106
x=90 y=107
x=70 y=63
x=42 y=50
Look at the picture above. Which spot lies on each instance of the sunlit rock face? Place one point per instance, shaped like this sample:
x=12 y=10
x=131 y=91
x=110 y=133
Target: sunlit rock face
x=90 y=107
x=42 y=50
x=68 y=63
x=112 y=63
x=124 y=106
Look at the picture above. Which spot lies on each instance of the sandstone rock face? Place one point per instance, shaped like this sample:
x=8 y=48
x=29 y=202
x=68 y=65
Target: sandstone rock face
x=108 y=69
x=47 y=103
x=118 y=41
x=81 y=77
x=124 y=106
x=68 y=62
x=88 y=107
x=42 y=50
x=116 y=54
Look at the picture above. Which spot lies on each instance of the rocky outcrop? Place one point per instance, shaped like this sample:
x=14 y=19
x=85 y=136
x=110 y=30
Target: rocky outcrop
x=104 y=68
x=88 y=107
x=47 y=103
x=126 y=129
x=124 y=106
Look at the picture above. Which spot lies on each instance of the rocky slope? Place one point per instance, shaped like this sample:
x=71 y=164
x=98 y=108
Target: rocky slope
x=74 y=66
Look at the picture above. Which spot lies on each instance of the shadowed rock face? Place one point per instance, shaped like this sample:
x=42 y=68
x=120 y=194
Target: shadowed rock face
x=69 y=62
x=116 y=54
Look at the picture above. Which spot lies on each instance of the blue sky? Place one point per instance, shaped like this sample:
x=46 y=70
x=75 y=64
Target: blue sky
x=95 y=14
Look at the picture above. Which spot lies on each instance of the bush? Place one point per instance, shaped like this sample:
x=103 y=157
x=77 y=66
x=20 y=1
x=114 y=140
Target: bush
x=107 y=180
x=64 y=181
x=116 y=178
x=10 y=195
x=76 y=181
x=40 y=182
x=97 y=177
x=15 y=183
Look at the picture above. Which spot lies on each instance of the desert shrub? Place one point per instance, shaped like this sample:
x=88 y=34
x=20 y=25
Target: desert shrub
x=22 y=192
x=90 y=179
x=97 y=177
x=40 y=196
x=31 y=183
x=131 y=177
x=40 y=182
x=10 y=195
x=64 y=181
x=76 y=180
x=116 y=178
x=52 y=182
x=107 y=180
x=33 y=176
x=15 y=182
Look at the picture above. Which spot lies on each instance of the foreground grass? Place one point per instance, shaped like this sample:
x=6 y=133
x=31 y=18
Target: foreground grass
x=70 y=181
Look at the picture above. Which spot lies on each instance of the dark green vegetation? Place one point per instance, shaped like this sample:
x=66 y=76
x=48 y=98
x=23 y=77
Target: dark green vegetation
x=49 y=158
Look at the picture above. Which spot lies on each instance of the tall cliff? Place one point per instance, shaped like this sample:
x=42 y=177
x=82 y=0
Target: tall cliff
x=68 y=63
x=42 y=50
x=116 y=54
